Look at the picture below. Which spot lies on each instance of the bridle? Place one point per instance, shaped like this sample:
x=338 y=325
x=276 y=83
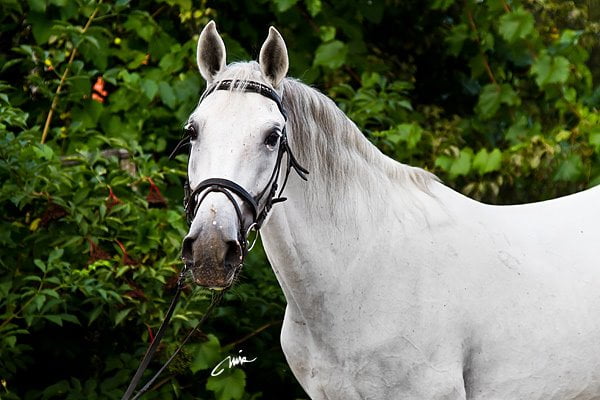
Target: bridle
x=194 y=198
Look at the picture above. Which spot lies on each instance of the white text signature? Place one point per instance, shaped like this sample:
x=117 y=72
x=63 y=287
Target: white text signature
x=233 y=361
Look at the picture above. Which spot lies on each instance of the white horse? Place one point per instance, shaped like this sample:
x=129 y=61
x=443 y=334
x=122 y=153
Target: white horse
x=397 y=286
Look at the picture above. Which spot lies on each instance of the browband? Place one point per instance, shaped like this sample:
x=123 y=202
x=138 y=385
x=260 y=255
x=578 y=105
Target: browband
x=247 y=86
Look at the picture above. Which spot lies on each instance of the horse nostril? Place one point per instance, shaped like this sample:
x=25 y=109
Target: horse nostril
x=187 y=252
x=233 y=254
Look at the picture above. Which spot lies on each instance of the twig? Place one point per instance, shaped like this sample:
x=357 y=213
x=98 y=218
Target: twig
x=16 y=314
x=64 y=77
x=253 y=333
x=486 y=63
x=160 y=10
x=161 y=382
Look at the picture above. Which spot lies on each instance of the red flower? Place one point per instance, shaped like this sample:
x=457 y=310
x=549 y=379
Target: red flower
x=98 y=92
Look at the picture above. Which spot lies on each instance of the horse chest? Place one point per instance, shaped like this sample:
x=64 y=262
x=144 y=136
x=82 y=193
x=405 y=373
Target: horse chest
x=335 y=367
x=307 y=359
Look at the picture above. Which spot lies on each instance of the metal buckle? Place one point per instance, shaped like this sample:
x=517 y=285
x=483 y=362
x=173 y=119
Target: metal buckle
x=252 y=227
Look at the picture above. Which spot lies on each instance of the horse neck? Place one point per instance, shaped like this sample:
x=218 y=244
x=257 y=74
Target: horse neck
x=319 y=234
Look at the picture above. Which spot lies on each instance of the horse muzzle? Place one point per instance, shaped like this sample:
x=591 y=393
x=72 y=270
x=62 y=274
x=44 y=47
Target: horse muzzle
x=212 y=250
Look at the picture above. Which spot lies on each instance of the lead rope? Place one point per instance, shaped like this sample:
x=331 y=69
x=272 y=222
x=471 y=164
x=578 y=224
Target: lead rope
x=216 y=298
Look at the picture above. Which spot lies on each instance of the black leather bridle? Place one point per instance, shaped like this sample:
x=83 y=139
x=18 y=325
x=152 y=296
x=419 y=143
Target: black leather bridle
x=193 y=199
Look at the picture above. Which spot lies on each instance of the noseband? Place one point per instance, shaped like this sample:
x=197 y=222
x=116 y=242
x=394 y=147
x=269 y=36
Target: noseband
x=193 y=198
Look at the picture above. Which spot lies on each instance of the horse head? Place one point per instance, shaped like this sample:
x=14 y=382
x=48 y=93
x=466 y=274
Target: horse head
x=238 y=143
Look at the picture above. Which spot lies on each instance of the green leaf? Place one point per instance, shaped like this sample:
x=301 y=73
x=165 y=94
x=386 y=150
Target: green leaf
x=39 y=301
x=41 y=27
x=40 y=264
x=59 y=390
x=5 y=288
x=441 y=4
x=121 y=314
x=567 y=39
x=10 y=341
x=487 y=41
x=516 y=25
x=595 y=138
x=70 y=318
x=284 y=5
x=208 y=354
x=149 y=88
x=444 y=162
x=313 y=6
x=485 y=162
x=55 y=254
x=327 y=33
x=548 y=69
x=409 y=133
x=570 y=94
x=167 y=94
x=43 y=151
x=456 y=38
x=521 y=129
x=228 y=386
x=462 y=165
x=37 y=5
x=570 y=169
x=55 y=319
x=142 y=24
x=492 y=96
x=51 y=293
x=331 y=54
x=562 y=135
x=94 y=314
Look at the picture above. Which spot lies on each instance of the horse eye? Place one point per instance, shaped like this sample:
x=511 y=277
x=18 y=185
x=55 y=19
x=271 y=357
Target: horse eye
x=190 y=131
x=272 y=139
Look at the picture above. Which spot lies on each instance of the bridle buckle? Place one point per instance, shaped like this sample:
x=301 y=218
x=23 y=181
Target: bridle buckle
x=253 y=227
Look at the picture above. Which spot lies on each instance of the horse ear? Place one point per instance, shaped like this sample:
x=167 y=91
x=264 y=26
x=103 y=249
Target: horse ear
x=210 y=53
x=273 y=58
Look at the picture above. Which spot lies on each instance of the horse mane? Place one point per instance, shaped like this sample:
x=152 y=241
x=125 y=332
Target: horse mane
x=324 y=139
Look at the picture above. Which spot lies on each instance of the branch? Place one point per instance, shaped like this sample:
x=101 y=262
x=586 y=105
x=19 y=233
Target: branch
x=64 y=77
x=253 y=333
x=486 y=63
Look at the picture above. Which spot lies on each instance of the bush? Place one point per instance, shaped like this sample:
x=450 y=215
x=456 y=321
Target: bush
x=497 y=97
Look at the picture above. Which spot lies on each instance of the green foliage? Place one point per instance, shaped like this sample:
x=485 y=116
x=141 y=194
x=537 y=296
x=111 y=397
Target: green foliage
x=548 y=70
x=228 y=386
x=331 y=54
x=492 y=96
x=515 y=25
x=499 y=98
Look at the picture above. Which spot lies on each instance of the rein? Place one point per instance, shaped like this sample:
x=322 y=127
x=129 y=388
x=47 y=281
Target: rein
x=194 y=198
x=217 y=296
